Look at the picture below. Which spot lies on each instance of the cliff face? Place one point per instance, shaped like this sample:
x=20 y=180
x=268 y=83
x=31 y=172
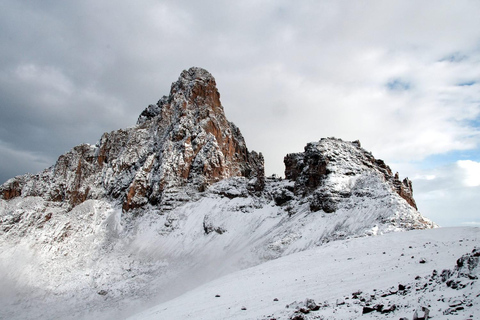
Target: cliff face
x=183 y=140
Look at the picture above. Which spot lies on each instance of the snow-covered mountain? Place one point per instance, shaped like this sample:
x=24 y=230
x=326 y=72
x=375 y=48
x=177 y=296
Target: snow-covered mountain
x=155 y=210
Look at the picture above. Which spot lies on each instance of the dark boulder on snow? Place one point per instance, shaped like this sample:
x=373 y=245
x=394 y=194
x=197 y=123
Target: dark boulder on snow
x=368 y=309
x=311 y=305
x=468 y=265
x=102 y=292
x=421 y=314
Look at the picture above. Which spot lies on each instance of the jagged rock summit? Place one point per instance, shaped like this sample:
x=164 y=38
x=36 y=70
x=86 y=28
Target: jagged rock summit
x=183 y=140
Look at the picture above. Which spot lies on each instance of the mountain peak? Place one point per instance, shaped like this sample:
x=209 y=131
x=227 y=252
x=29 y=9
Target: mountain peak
x=196 y=82
x=196 y=73
x=183 y=141
x=195 y=92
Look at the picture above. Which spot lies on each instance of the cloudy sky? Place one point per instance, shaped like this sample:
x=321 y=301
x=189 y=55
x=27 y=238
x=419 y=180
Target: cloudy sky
x=403 y=77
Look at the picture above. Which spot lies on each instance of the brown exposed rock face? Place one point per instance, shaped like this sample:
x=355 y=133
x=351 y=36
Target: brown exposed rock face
x=404 y=189
x=11 y=190
x=331 y=157
x=184 y=140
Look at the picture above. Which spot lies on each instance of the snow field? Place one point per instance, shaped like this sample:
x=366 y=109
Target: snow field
x=328 y=273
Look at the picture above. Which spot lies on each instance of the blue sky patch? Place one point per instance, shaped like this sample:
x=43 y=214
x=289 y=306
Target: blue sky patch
x=398 y=85
x=466 y=83
x=438 y=160
x=455 y=57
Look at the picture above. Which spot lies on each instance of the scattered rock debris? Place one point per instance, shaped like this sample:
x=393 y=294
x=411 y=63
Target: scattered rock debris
x=428 y=292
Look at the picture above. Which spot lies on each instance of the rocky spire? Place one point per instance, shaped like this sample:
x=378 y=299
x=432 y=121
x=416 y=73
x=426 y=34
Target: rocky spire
x=184 y=140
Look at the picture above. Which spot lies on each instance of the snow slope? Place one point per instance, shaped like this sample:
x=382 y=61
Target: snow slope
x=344 y=277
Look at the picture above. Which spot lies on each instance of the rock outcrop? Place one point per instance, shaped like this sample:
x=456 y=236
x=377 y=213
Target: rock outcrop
x=328 y=170
x=183 y=141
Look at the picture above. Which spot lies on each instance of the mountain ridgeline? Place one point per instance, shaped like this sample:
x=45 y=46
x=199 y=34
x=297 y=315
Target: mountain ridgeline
x=185 y=141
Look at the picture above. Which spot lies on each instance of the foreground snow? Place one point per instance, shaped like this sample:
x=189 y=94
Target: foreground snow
x=343 y=277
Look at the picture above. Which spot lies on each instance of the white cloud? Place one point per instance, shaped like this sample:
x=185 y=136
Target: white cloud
x=471 y=172
x=471 y=223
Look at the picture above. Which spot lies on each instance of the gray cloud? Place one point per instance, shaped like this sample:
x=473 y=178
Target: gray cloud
x=401 y=76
